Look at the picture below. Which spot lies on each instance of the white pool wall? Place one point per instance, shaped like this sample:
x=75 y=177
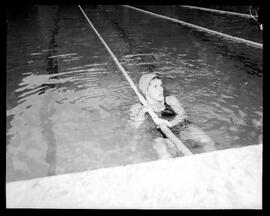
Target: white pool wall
x=224 y=179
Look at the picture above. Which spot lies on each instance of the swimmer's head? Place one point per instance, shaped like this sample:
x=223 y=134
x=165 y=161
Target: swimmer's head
x=151 y=86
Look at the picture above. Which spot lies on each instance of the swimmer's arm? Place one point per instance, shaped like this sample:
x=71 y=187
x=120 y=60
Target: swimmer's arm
x=137 y=114
x=177 y=107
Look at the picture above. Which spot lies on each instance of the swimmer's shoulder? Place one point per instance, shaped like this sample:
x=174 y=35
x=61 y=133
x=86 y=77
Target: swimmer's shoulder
x=134 y=115
x=134 y=109
x=171 y=100
x=136 y=106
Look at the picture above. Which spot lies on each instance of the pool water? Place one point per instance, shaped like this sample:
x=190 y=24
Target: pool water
x=68 y=104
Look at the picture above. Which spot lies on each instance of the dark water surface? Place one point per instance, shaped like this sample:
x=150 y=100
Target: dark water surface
x=68 y=104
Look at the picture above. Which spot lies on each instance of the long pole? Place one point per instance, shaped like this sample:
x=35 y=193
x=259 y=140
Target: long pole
x=180 y=146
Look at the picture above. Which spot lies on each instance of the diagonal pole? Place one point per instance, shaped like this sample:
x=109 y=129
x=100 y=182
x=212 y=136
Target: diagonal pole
x=180 y=146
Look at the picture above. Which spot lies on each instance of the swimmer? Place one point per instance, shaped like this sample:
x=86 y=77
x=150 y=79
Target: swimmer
x=170 y=112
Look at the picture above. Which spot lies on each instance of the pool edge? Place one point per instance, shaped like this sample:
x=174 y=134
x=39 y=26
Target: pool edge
x=224 y=179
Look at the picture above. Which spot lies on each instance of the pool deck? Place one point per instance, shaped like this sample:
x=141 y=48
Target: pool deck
x=224 y=179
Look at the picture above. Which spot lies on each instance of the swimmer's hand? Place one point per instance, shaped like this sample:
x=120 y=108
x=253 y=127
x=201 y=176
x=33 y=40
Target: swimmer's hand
x=158 y=121
x=137 y=113
x=143 y=111
x=153 y=107
x=163 y=121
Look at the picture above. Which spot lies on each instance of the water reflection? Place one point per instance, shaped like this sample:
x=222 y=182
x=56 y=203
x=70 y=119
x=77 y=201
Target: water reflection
x=66 y=130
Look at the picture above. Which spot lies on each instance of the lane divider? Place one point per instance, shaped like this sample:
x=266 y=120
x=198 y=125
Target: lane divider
x=233 y=38
x=216 y=11
x=179 y=145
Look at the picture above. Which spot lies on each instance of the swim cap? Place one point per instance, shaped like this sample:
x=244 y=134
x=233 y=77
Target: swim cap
x=145 y=80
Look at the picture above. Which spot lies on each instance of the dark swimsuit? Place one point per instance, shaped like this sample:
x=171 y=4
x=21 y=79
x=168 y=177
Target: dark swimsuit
x=168 y=114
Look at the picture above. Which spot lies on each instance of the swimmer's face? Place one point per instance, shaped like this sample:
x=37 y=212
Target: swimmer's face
x=155 y=89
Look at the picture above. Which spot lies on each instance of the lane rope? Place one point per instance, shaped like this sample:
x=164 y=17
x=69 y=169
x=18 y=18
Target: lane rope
x=180 y=146
x=216 y=11
x=236 y=39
